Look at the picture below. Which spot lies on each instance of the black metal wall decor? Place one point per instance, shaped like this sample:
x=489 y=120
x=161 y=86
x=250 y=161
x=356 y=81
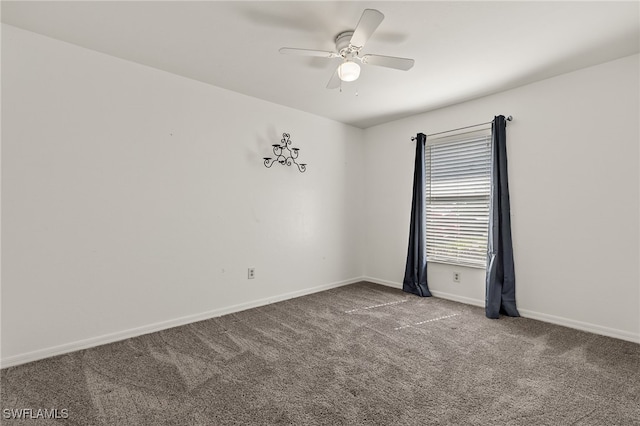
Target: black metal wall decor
x=289 y=157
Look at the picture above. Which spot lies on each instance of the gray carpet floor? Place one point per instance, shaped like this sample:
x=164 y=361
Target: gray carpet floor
x=362 y=354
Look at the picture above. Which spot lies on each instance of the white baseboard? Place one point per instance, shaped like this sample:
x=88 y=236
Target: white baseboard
x=440 y=294
x=163 y=325
x=383 y=282
x=526 y=313
x=580 y=325
x=456 y=298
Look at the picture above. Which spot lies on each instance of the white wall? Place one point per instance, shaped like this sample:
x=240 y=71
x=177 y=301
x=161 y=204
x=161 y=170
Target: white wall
x=134 y=199
x=573 y=169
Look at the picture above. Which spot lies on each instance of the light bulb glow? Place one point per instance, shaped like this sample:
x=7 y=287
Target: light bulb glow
x=349 y=71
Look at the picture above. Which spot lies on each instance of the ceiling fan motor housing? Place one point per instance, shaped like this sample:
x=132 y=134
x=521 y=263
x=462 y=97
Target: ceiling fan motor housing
x=343 y=43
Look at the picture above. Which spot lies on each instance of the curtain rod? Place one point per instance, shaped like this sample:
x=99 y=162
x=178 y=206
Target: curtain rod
x=509 y=118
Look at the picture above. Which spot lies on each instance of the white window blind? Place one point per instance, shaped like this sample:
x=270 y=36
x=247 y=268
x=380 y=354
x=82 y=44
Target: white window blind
x=458 y=185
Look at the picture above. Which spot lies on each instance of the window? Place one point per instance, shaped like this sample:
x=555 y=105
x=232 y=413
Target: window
x=458 y=185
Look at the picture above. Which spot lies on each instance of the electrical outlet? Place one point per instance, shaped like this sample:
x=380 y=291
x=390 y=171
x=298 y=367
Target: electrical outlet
x=251 y=273
x=456 y=277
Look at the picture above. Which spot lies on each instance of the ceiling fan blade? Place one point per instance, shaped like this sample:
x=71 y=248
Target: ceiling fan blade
x=368 y=23
x=334 y=82
x=308 y=52
x=388 y=61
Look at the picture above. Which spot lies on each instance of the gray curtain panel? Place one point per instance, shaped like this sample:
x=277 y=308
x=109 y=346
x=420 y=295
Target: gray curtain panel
x=500 y=295
x=415 y=273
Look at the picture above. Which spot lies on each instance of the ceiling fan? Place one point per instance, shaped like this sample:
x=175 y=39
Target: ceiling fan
x=348 y=46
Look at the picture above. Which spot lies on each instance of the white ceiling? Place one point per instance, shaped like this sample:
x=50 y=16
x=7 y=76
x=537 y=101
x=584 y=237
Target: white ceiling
x=462 y=50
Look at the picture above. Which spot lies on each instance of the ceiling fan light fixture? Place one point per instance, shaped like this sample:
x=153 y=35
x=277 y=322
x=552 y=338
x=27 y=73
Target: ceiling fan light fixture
x=349 y=71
